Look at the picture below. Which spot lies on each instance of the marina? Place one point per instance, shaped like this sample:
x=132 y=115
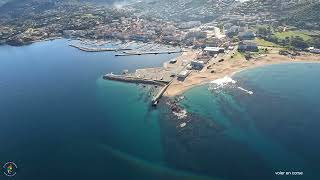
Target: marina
x=130 y=48
x=97 y=49
x=138 y=53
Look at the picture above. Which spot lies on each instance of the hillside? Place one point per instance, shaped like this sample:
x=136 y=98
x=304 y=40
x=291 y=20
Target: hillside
x=306 y=15
x=300 y=13
x=185 y=10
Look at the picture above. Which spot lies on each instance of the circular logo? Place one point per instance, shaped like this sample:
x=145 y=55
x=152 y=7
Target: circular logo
x=10 y=169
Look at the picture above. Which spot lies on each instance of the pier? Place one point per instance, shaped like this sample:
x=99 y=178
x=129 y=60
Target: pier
x=156 y=98
x=133 y=79
x=97 y=49
x=137 y=53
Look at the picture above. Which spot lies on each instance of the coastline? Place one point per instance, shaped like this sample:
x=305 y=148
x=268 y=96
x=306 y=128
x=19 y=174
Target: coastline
x=230 y=67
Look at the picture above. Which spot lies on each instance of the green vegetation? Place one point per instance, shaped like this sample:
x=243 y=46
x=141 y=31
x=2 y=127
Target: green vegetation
x=288 y=34
x=305 y=15
x=238 y=55
x=293 y=38
x=262 y=42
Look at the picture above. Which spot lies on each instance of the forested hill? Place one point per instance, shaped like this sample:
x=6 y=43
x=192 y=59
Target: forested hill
x=306 y=15
x=14 y=8
x=302 y=13
x=15 y=3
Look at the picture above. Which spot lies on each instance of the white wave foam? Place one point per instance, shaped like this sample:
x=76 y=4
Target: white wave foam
x=219 y=83
x=247 y=91
x=181 y=114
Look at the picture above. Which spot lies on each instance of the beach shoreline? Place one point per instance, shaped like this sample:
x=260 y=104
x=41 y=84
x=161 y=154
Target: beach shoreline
x=229 y=67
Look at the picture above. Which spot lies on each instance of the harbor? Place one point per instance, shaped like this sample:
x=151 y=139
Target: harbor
x=160 y=77
x=135 y=53
x=96 y=49
x=130 y=48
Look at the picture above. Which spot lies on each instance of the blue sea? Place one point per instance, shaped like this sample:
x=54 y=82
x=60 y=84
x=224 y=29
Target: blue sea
x=60 y=120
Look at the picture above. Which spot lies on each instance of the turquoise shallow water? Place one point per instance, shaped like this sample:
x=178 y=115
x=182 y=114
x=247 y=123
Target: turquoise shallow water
x=274 y=129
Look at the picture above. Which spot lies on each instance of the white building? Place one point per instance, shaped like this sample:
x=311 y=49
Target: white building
x=213 y=50
x=183 y=74
x=197 y=64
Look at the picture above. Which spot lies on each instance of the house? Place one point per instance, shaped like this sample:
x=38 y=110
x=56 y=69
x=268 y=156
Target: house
x=247 y=46
x=247 y=35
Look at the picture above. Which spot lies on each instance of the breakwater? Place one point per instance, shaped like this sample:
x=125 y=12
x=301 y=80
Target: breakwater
x=133 y=79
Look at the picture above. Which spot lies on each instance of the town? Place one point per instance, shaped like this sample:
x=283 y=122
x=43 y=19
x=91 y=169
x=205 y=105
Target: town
x=207 y=33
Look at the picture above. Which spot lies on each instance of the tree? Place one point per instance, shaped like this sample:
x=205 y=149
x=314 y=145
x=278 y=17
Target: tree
x=316 y=43
x=287 y=40
x=298 y=42
x=264 y=31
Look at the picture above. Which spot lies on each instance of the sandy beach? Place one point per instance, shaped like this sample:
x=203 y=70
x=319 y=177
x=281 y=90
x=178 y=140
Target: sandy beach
x=229 y=67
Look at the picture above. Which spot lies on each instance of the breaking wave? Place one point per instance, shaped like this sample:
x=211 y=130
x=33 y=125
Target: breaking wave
x=181 y=114
x=226 y=82
x=222 y=82
x=247 y=91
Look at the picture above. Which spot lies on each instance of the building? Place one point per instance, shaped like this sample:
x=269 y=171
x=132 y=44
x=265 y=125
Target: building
x=314 y=50
x=247 y=46
x=247 y=35
x=183 y=74
x=198 y=65
x=190 y=24
x=213 y=50
x=230 y=47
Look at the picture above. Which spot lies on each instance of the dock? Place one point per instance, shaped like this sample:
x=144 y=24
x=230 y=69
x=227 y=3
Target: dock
x=97 y=49
x=138 y=53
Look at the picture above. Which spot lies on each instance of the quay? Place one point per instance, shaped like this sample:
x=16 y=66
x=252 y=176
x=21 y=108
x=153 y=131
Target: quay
x=100 y=49
x=145 y=53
